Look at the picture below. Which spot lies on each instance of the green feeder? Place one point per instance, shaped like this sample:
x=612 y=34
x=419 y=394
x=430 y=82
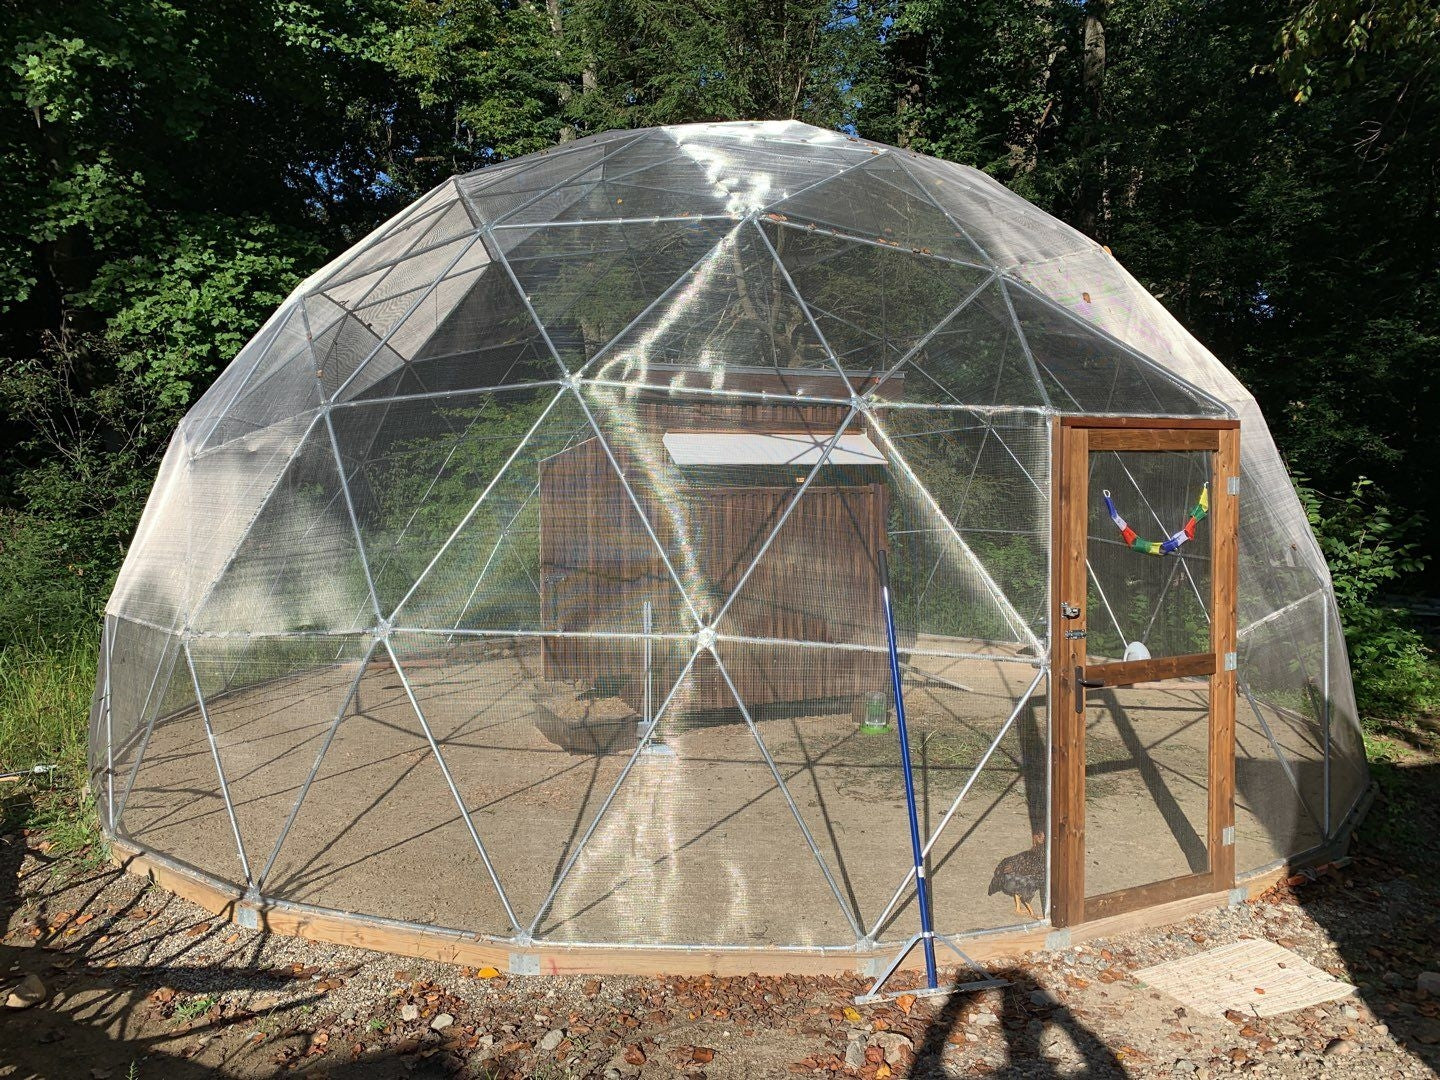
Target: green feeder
x=875 y=719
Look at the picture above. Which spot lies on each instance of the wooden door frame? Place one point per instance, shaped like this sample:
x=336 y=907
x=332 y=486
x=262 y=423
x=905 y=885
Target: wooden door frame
x=1073 y=439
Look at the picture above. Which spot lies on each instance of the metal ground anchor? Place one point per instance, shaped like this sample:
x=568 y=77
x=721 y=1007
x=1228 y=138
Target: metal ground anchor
x=985 y=982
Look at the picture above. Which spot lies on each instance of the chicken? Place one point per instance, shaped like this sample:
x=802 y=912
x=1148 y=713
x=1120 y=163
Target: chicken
x=1022 y=876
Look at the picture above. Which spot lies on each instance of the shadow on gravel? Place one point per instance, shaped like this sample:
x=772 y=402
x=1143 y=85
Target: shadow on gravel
x=1382 y=910
x=104 y=1019
x=1028 y=1026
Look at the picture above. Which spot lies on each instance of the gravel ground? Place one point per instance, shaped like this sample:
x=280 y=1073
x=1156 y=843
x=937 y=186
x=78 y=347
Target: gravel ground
x=141 y=983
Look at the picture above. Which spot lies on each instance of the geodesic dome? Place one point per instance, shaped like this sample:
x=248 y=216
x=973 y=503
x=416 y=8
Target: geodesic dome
x=519 y=577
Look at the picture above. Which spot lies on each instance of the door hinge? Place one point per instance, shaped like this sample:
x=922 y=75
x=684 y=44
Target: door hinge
x=1232 y=485
x=1227 y=836
x=1230 y=662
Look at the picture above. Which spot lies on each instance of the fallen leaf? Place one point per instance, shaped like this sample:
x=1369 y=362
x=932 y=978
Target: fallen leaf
x=906 y=1003
x=851 y=1013
x=487 y=973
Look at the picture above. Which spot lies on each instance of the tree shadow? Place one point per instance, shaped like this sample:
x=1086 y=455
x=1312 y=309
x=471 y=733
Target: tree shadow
x=1380 y=908
x=101 y=1016
x=1376 y=898
x=1031 y=1020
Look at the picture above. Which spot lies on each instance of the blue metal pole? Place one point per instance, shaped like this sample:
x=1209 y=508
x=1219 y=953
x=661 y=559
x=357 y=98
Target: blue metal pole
x=922 y=890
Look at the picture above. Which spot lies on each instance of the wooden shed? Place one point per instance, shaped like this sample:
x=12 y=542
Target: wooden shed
x=713 y=481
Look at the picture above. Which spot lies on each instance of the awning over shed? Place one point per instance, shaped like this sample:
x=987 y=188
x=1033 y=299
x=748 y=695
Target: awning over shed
x=785 y=448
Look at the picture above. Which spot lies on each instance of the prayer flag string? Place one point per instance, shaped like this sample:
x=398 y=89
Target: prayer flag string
x=1176 y=539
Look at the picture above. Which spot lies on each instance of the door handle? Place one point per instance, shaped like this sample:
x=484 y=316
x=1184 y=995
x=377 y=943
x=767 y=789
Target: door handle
x=1081 y=685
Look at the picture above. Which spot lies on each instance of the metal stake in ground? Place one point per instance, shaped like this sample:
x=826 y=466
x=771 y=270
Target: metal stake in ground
x=927 y=936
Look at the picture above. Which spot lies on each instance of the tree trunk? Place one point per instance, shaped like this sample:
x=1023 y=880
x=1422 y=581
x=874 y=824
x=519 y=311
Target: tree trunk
x=1092 y=194
x=912 y=55
x=563 y=92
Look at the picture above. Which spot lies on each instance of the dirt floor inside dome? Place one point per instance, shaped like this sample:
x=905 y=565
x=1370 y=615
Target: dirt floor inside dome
x=698 y=845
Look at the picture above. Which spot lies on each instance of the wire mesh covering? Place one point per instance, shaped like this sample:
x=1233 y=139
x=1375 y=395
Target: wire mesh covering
x=425 y=620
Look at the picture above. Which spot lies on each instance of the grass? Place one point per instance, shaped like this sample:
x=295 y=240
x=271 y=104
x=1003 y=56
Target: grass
x=1404 y=759
x=45 y=694
x=197 y=1006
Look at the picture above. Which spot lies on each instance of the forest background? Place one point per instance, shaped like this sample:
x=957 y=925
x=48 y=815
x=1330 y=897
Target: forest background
x=171 y=169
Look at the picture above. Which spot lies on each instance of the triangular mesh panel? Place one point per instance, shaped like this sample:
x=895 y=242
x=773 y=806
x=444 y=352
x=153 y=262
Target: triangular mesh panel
x=487 y=337
x=420 y=469
x=872 y=302
x=759 y=168
x=734 y=324
x=847 y=204
x=975 y=357
x=1083 y=371
x=438 y=223
x=945 y=600
x=296 y=566
x=643 y=179
x=283 y=385
x=676 y=860
x=587 y=284
x=1005 y=227
x=987 y=478
x=245 y=683
x=555 y=543
x=381 y=812
x=175 y=801
x=534 y=742
x=500 y=192
x=711 y=517
x=140 y=662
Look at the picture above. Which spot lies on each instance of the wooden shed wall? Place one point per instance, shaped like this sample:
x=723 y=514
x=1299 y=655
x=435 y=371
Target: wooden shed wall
x=599 y=565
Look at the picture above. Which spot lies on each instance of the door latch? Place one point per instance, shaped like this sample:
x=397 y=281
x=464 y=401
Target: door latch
x=1081 y=685
x=1069 y=611
x=1074 y=635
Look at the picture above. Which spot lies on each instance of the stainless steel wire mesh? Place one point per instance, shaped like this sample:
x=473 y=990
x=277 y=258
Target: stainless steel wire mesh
x=428 y=620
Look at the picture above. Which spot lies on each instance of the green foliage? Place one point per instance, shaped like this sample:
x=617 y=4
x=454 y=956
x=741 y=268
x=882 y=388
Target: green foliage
x=45 y=695
x=649 y=62
x=182 y=305
x=173 y=169
x=432 y=481
x=1326 y=43
x=1370 y=551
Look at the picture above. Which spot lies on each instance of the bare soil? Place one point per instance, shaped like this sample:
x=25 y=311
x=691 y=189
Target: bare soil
x=699 y=844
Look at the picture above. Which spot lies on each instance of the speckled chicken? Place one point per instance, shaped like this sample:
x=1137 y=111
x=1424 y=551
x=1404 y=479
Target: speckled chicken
x=1022 y=876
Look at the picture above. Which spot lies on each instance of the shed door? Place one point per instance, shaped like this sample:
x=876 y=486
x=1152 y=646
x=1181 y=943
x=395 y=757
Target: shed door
x=1143 y=652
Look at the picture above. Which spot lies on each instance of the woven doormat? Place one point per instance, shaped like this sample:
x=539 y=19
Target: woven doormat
x=1249 y=976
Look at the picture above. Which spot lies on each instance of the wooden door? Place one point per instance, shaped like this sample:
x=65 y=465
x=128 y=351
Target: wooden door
x=1143 y=655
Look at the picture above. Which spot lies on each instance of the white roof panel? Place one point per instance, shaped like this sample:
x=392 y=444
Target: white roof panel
x=751 y=448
